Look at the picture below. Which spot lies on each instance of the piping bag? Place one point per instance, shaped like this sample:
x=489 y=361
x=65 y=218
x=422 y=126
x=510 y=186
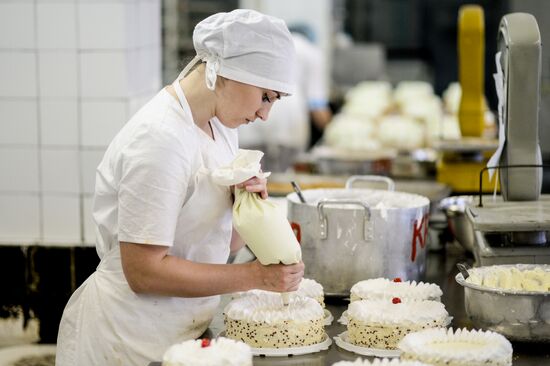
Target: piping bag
x=262 y=224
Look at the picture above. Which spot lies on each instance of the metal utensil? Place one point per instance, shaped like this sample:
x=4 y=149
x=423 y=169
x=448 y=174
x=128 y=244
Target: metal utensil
x=463 y=268
x=298 y=191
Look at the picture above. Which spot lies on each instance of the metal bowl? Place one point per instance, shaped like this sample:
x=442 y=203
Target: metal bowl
x=518 y=315
x=461 y=228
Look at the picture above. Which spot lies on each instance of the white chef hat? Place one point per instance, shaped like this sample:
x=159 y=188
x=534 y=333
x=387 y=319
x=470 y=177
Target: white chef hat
x=246 y=46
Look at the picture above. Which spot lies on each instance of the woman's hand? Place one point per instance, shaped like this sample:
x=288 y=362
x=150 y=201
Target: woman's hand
x=278 y=277
x=255 y=184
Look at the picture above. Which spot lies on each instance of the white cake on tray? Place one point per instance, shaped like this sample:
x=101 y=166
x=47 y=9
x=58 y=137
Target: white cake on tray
x=262 y=320
x=379 y=362
x=460 y=347
x=381 y=324
x=308 y=288
x=206 y=352
x=380 y=288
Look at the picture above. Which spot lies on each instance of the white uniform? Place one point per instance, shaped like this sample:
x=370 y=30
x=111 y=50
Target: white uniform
x=152 y=187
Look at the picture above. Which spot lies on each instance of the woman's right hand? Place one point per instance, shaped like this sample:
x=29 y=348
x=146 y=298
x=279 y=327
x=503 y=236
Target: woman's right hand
x=278 y=277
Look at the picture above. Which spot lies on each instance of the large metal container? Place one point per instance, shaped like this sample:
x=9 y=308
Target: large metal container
x=518 y=315
x=459 y=224
x=348 y=235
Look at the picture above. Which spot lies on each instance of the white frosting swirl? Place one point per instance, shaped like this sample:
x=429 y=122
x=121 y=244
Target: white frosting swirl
x=221 y=351
x=468 y=347
x=515 y=278
x=385 y=312
x=308 y=288
x=379 y=362
x=269 y=308
x=384 y=288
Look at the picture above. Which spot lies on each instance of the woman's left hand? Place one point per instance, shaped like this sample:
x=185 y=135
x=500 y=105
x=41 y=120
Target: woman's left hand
x=255 y=184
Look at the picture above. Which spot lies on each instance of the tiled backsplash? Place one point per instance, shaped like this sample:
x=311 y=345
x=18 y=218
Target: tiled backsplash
x=73 y=72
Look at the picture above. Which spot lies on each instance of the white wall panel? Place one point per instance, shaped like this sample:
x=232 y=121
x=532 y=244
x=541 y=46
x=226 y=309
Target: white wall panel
x=60 y=171
x=106 y=74
x=101 y=121
x=19 y=218
x=61 y=216
x=19 y=170
x=108 y=25
x=58 y=74
x=18 y=122
x=89 y=160
x=56 y=22
x=59 y=121
x=18 y=74
x=17 y=28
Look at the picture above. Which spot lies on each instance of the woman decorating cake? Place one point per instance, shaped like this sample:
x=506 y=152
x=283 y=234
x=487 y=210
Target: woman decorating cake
x=164 y=229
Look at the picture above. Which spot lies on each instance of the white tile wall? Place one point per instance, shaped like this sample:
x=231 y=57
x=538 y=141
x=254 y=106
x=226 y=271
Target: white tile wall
x=71 y=74
x=89 y=160
x=18 y=74
x=149 y=23
x=19 y=218
x=101 y=120
x=19 y=167
x=59 y=121
x=89 y=225
x=105 y=74
x=18 y=122
x=56 y=23
x=17 y=26
x=60 y=171
x=119 y=25
x=61 y=217
x=58 y=73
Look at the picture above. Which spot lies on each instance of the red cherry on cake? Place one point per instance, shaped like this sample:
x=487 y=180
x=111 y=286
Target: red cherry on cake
x=396 y=300
x=205 y=342
x=397 y=279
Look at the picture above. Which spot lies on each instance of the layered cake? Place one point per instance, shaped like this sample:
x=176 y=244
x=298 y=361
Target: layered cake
x=380 y=288
x=308 y=288
x=379 y=362
x=262 y=321
x=457 y=348
x=383 y=323
x=206 y=352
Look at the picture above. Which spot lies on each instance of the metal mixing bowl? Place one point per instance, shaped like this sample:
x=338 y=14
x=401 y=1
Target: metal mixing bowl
x=461 y=228
x=518 y=315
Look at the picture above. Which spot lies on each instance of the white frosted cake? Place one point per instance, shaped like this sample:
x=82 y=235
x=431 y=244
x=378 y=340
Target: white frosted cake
x=308 y=288
x=381 y=288
x=263 y=321
x=379 y=362
x=206 y=352
x=462 y=347
x=383 y=323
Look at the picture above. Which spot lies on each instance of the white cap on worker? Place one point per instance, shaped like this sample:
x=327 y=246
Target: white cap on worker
x=246 y=46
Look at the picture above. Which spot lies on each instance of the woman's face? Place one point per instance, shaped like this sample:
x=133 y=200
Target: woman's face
x=240 y=103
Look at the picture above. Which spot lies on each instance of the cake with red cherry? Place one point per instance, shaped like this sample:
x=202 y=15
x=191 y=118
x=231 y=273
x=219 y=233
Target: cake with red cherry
x=262 y=320
x=206 y=352
x=380 y=288
x=383 y=323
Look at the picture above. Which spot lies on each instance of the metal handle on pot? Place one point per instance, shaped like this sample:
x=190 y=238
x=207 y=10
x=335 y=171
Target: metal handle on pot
x=323 y=222
x=370 y=178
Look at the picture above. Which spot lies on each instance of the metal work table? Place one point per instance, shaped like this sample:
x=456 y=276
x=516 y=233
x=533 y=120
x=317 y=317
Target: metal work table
x=441 y=270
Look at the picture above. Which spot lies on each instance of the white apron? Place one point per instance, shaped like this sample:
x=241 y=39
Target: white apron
x=106 y=323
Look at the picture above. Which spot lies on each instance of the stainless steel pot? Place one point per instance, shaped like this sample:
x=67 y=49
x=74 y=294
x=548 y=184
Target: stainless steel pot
x=348 y=235
x=520 y=316
x=461 y=228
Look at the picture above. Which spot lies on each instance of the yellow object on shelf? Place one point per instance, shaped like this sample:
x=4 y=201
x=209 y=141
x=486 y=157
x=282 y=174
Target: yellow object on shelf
x=471 y=49
x=463 y=177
